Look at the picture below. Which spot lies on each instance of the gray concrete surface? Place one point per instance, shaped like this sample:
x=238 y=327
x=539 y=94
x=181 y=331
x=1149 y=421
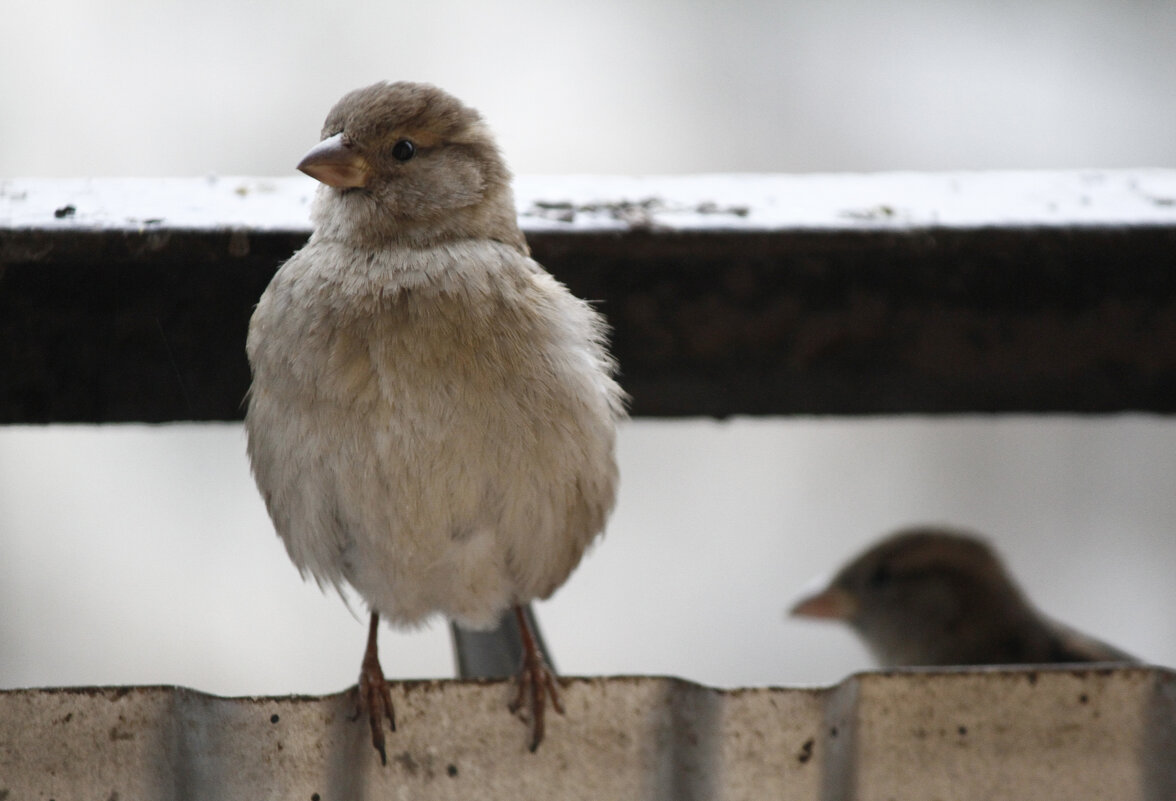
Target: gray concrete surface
x=992 y=734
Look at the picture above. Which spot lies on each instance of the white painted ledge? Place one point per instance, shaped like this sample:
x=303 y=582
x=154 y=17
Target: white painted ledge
x=1098 y=732
x=749 y=202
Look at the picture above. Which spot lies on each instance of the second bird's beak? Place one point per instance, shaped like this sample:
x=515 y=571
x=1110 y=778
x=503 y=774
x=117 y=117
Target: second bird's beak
x=337 y=163
x=831 y=603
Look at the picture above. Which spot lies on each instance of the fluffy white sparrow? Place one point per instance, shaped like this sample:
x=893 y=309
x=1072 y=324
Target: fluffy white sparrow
x=432 y=417
x=930 y=596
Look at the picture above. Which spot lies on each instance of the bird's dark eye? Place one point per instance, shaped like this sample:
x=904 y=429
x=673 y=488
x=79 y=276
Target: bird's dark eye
x=881 y=575
x=403 y=150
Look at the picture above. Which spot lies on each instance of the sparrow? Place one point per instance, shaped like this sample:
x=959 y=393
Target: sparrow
x=432 y=416
x=934 y=596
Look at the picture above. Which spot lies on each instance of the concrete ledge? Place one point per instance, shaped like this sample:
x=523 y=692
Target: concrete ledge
x=1050 y=733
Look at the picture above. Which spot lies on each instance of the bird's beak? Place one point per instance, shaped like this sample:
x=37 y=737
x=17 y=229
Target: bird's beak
x=831 y=603
x=337 y=163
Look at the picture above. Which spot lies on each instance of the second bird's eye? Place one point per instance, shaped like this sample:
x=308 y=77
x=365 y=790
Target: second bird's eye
x=880 y=576
x=403 y=150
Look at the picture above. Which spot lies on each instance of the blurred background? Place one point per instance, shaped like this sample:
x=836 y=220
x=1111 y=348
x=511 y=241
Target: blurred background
x=143 y=555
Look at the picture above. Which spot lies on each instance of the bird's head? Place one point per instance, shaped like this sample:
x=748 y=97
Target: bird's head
x=915 y=594
x=409 y=162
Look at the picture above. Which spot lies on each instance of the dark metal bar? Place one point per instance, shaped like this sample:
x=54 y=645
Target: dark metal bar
x=105 y=326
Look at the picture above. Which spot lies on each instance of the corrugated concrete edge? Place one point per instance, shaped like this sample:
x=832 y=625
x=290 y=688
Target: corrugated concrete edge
x=1100 y=732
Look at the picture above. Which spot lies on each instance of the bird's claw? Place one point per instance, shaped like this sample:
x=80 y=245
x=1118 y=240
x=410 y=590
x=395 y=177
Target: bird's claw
x=373 y=691
x=535 y=683
x=376 y=698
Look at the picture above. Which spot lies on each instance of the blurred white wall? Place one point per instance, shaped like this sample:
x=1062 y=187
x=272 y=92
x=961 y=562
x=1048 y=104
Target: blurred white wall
x=653 y=86
x=143 y=555
x=138 y=554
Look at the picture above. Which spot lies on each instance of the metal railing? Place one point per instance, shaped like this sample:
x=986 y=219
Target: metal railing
x=128 y=300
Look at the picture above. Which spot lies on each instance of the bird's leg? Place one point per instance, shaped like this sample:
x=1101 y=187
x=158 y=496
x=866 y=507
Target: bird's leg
x=373 y=691
x=535 y=681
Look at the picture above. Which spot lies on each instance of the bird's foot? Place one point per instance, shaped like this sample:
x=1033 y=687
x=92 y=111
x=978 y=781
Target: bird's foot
x=374 y=695
x=535 y=683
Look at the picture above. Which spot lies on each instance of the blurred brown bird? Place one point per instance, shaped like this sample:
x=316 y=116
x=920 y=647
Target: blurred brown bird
x=432 y=417
x=931 y=596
